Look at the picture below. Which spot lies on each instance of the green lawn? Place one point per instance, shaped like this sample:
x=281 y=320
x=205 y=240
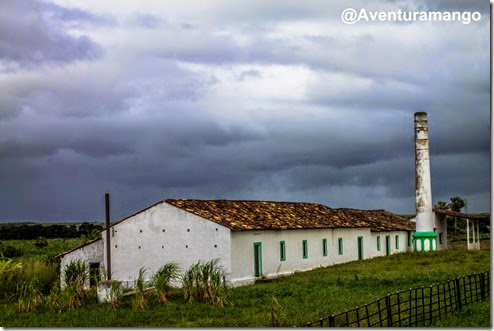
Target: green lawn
x=476 y=315
x=303 y=297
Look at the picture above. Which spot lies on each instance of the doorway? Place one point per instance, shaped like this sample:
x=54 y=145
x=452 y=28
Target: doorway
x=360 y=244
x=94 y=276
x=257 y=259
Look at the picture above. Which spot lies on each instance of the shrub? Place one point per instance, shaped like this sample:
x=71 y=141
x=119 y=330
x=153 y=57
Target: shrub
x=10 y=251
x=162 y=280
x=206 y=281
x=41 y=242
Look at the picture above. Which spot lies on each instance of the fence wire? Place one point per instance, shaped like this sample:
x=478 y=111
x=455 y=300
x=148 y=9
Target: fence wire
x=416 y=307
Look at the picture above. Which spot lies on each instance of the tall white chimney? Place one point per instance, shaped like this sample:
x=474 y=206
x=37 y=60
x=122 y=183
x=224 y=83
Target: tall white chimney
x=424 y=238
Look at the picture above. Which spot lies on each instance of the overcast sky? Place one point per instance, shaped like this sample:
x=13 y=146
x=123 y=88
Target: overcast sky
x=261 y=100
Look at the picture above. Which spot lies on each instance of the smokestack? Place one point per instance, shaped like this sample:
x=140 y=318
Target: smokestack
x=108 y=254
x=425 y=239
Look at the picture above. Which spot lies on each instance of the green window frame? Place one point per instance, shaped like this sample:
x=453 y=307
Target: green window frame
x=378 y=243
x=282 y=251
x=441 y=240
x=325 y=247
x=409 y=238
x=397 y=242
x=305 y=249
x=340 y=246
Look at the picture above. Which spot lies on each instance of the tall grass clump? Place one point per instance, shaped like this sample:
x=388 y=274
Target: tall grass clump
x=9 y=271
x=206 y=281
x=163 y=278
x=75 y=276
x=140 y=301
x=31 y=298
x=116 y=291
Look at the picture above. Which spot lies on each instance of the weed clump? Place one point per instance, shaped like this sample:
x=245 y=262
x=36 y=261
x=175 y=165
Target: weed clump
x=116 y=291
x=163 y=278
x=140 y=301
x=206 y=281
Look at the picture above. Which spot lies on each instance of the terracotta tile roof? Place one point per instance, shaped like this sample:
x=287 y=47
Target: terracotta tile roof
x=242 y=215
x=459 y=214
x=380 y=219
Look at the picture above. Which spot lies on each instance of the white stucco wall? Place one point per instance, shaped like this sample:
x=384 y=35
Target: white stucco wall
x=162 y=234
x=440 y=224
x=243 y=249
x=403 y=242
x=92 y=253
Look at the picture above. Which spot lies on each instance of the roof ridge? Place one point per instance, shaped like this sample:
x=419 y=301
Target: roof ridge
x=247 y=200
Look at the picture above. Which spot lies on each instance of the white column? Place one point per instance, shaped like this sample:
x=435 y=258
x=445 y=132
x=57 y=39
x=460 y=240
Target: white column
x=473 y=232
x=468 y=235
x=478 y=233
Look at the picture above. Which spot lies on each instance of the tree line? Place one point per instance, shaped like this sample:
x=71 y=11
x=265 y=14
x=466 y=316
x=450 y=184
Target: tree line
x=32 y=231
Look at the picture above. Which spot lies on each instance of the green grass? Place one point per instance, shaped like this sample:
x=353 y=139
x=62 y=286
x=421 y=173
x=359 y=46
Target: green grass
x=475 y=315
x=55 y=246
x=303 y=297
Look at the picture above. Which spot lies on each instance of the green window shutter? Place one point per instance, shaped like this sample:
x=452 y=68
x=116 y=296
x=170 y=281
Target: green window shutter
x=325 y=247
x=282 y=251
x=340 y=246
x=305 y=249
x=397 y=242
x=378 y=243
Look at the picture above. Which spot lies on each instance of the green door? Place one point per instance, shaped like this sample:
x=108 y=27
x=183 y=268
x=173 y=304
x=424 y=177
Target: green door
x=360 y=242
x=388 y=244
x=257 y=259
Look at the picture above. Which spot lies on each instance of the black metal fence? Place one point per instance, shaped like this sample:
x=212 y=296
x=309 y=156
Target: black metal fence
x=420 y=306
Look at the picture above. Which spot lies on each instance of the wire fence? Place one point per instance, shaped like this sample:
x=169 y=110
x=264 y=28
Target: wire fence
x=417 y=307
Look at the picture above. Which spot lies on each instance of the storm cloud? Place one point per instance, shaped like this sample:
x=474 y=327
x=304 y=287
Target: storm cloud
x=267 y=100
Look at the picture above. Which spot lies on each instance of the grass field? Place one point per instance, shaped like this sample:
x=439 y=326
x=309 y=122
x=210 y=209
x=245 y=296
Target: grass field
x=303 y=297
x=476 y=315
x=55 y=246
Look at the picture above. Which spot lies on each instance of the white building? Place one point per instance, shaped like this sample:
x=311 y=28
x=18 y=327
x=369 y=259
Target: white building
x=252 y=239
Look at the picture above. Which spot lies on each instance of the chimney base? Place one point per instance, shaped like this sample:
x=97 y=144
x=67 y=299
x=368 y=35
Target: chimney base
x=425 y=241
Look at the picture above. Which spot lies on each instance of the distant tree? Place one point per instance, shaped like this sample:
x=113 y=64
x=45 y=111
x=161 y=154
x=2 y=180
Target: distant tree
x=441 y=205
x=10 y=251
x=41 y=242
x=91 y=235
x=456 y=203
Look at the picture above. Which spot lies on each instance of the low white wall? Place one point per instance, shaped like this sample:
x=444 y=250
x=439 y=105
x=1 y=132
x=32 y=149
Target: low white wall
x=243 y=249
x=162 y=234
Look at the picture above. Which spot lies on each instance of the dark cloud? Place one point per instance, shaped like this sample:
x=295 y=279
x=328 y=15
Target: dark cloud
x=28 y=38
x=266 y=102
